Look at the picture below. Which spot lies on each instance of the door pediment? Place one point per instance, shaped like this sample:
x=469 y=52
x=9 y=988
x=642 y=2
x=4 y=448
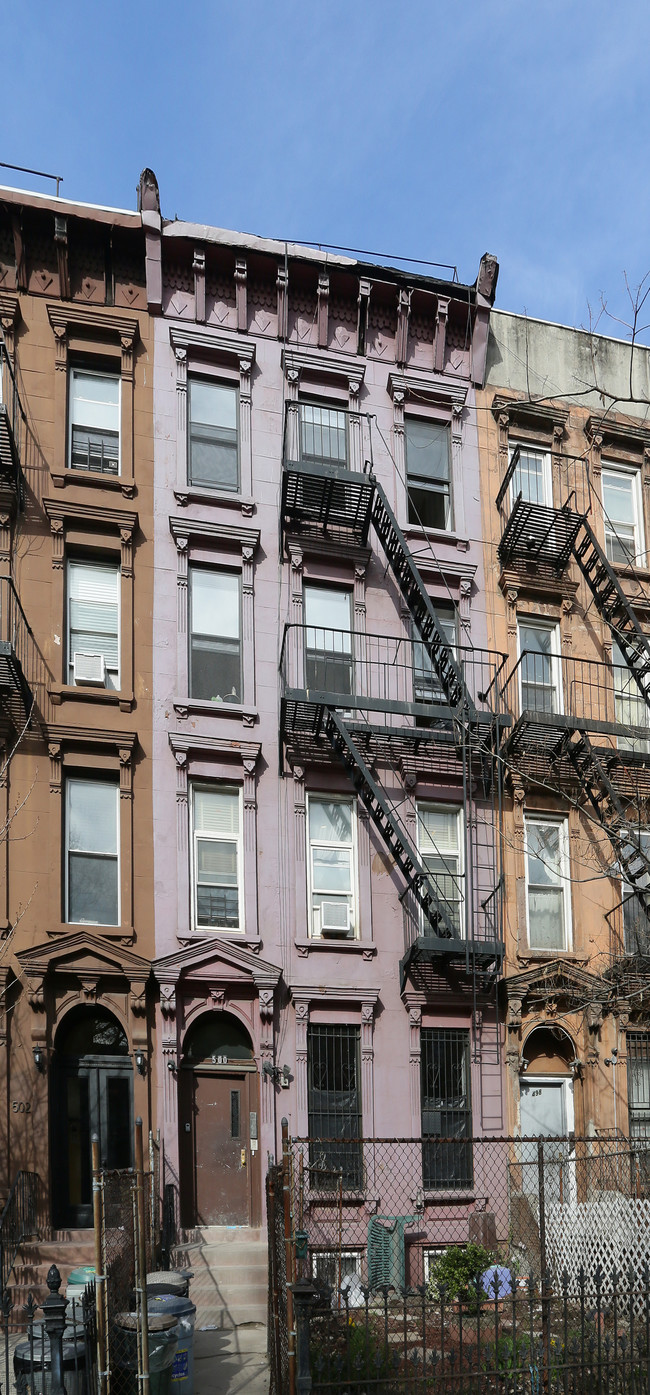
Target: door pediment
x=216 y=959
x=84 y=953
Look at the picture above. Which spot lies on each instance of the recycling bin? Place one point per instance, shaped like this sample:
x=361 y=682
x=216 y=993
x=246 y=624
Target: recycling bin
x=184 y=1313
x=163 y=1338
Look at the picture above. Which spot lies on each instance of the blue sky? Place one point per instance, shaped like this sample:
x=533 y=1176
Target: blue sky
x=433 y=130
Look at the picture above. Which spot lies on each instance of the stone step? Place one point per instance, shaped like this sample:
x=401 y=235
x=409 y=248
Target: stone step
x=207 y=1233
x=230 y=1292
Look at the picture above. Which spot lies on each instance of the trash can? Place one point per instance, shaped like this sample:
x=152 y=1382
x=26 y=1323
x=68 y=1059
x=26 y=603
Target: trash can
x=184 y=1313
x=176 y=1281
x=32 y=1363
x=78 y=1280
x=163 y=1337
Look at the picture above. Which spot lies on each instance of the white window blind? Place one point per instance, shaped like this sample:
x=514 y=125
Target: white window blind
x=439 y=844
x=217 y=859
x=93 y=615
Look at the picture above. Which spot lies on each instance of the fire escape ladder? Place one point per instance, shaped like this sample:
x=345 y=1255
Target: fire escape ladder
x=593 y=770
x=615 y=608
x=395 y=838
x=410 y=583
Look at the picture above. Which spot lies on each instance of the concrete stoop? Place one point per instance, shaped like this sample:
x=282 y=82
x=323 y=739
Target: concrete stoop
x=230 y=1283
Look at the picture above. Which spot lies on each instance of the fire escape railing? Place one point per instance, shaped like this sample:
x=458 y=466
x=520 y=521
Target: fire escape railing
x=13 y=423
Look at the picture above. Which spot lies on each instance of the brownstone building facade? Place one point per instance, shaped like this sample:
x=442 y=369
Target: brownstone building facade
x=566 y=490
x=76 y=569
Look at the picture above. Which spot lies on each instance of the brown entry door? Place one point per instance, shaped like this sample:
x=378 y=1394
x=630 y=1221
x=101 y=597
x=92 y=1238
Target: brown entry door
x=222 y=1152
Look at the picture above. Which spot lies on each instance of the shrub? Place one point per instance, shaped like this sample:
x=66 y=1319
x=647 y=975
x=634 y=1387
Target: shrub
x=457 y=1272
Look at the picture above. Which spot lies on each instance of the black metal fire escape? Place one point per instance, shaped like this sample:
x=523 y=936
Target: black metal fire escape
x=549 y=536
x=18 y=654
x=339 y=504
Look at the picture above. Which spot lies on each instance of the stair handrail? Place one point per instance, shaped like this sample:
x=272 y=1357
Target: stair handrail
x=17 y=1222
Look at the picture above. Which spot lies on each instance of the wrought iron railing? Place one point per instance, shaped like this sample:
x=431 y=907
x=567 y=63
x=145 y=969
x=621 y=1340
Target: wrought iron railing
x=23 y=668
x=558 y=690
x=18 y=1221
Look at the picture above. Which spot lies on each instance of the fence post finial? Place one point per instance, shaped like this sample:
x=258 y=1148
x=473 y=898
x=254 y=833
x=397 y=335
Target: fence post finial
x=54 y=1309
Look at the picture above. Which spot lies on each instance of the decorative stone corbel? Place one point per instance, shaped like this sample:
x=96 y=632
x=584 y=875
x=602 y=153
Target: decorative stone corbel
x=402 y=334
x=168 y=1000
x=241 y=275
x=198 y=267
x=323 y=308
x=283 y=302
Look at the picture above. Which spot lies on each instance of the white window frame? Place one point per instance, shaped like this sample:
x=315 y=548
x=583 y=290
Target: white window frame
x=631 y=471
x=415 y=480
x=547 y=473
x=316 y=404
x=95 y=373
x=80 y=778
x=318 y=797
x=458 y=813
x=218 y=383
x=214 y=787
x=193 y=569
x=553 y=628
x=565 y=880
x=85 y=562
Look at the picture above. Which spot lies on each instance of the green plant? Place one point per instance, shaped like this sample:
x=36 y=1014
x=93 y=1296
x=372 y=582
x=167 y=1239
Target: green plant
x=457 y=1271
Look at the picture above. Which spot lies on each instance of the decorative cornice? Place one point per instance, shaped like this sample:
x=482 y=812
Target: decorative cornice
x=63 y=510
x=611 y=430
x=521 y=409
x=67 y=317
x=169 y=967
x=324 y=547
x=210 y=341
x=449 y=392
x=91 y=736
x=192 y=742
x=38 y=959
x=339 y=993
x=182 y=529
x=9 y=309
x=326 y=364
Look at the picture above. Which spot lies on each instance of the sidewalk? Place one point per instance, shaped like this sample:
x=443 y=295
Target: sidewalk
x=227 y=1363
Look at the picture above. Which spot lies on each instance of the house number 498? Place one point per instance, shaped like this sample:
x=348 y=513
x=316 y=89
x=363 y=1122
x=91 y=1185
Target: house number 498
x=21 y=1107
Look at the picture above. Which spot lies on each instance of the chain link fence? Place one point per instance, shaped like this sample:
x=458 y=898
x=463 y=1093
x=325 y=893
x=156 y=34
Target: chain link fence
x=127 y=1214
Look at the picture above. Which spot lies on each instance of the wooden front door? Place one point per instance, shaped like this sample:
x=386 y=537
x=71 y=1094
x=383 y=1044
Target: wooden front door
x=219 y=1162
x=91 y=1096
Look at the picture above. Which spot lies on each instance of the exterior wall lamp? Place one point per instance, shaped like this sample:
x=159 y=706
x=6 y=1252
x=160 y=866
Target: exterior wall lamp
x=39 y=1059
x=280 y=1075
x=140 y=1062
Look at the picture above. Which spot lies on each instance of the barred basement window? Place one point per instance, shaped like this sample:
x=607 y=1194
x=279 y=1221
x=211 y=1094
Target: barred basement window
x=446 y=1109
x=638 y=1083
x=334 y=1105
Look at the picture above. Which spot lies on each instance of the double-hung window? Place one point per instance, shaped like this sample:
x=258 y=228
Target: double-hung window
x=428 y=467
x=92 y=852
x=532 y=476
x=334 y=1108
x=212 y=435
x=215 y=635
x=540 y=676
x=323 y=435
x=426 y=684
x=93 y=623
x=217 y=857
x=328 y=647
x=636 y=923
x=94 y=421
x=440 y=847
x=631 y=708
x=623 y=510
x=332 y=871
x=548 y=890
x=446 y=1109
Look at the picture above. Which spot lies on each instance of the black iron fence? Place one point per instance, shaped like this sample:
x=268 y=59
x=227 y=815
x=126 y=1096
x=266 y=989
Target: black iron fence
x=18 y=1222
x=55 y=1352
x=395 y=1262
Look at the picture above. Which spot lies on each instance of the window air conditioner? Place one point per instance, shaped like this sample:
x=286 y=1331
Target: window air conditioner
x=89 y=670
x=334 y=918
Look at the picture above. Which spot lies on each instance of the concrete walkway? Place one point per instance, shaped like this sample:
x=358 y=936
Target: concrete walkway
x=227 y=1363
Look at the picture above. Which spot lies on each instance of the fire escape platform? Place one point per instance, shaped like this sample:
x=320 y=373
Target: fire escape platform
x=539 y=533
x=16 y=697
x=326 y=502
x=538 y=732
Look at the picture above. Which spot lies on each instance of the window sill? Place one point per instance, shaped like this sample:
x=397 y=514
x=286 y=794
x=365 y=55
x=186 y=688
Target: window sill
x=239 y=711
x=86 y=477
x=412 y=530
x=545 y=954
x=367 y=948
x=111 y=697
x=124 y=933
x=223 y=498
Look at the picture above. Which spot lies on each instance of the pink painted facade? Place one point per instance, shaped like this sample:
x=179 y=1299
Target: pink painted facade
x=281 y=327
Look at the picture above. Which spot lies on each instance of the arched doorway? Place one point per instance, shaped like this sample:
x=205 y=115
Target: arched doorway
x=546 y=1102
x=91 y=1093
x=218 y=1120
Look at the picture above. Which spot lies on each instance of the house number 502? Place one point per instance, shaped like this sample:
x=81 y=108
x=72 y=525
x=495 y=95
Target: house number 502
x=21 y=1107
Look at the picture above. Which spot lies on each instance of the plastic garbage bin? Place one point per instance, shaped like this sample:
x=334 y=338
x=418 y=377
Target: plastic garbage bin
x=32 y=1364
x=78 y=1280
x=184 y=1313
x=163 y=1338
x=176 y=1281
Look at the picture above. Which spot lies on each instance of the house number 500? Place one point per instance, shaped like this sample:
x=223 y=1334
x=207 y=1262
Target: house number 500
x=21 y=1107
